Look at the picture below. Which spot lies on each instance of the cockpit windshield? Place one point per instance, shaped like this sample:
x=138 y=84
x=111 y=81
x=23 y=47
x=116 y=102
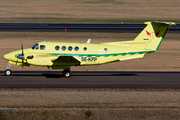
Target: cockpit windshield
x=34 y=46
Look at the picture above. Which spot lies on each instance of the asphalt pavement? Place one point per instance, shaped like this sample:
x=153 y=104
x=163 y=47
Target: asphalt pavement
x=120 y=80
x=73 y=27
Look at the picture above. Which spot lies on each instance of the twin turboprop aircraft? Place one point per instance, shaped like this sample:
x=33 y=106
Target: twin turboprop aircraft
x=62 y=55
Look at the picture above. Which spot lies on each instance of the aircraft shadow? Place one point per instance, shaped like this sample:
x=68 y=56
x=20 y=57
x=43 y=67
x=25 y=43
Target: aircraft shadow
x=60 y=75
x=52 y=75
x=40 y=75
x=127 y=74
x=83 y=74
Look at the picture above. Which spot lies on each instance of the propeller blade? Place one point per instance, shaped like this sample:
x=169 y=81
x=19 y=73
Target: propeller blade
x=22 y=62
x=22 y=49
x=22 y=55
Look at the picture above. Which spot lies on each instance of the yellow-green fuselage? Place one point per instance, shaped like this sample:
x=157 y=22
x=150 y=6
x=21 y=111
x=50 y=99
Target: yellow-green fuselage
x=87 y=54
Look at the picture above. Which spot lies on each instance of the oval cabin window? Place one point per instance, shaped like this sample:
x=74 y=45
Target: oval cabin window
x=63 y=48
x=70 y=48
x=57 y=47
x=85 y=48
x=105 y=49
x=76 y=48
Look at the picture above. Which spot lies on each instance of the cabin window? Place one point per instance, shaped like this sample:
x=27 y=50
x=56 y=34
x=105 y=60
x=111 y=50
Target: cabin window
x=42 y=47
x=76 y=48
x=34 y=46
x=57 y=47
x=70 y=48
x=85 y=48
x=105 y=49
x=63 y=48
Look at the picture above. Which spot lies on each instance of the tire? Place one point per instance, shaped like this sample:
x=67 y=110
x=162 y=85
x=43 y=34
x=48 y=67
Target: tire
x=8 y=72
x=66 y=73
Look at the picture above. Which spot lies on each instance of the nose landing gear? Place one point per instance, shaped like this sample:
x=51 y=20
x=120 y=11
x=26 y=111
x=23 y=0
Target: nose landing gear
x=8 y=72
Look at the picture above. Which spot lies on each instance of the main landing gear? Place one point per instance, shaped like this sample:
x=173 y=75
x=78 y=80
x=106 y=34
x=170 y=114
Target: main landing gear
x=8 y=72
x=66 y=72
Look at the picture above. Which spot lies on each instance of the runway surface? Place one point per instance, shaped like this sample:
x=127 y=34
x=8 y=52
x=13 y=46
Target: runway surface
x=73 y=27
x=122 y=80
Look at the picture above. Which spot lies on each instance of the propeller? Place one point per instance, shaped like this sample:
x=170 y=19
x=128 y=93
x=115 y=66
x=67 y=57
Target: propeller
x=22 y=55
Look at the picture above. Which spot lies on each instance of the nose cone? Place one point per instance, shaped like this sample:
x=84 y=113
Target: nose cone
x=15 y=56
x=10 y=56
x=7 y=56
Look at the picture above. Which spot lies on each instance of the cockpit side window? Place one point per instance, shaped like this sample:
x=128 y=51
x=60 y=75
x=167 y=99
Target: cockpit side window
x=34 y=46
x=42 y=47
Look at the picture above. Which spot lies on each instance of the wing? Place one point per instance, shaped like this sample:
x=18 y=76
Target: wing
x=51 y=60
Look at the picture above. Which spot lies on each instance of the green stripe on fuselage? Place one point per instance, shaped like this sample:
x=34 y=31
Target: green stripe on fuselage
x=101 y=55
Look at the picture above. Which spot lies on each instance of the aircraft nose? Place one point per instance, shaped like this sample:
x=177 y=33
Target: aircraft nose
x=13 y=56
x=7 y=56
x=10 y=56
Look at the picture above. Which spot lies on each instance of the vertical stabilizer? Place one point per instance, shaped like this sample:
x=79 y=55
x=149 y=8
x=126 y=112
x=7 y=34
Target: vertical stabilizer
x=151 y=36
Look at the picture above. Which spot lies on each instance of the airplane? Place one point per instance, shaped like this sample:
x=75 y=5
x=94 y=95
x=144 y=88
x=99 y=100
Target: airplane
x=63 y=55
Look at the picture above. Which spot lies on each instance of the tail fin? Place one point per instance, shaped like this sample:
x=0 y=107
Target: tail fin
x=151 y=36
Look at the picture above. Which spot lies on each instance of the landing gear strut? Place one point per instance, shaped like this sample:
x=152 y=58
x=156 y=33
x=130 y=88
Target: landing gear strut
x=66 y=72
x=8 y=72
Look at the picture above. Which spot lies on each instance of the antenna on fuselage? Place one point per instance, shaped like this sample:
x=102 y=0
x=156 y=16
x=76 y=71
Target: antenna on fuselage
x=89 y=40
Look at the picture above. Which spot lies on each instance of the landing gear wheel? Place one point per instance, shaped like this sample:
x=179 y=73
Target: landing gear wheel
x=66 y=73
x=8 y=72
